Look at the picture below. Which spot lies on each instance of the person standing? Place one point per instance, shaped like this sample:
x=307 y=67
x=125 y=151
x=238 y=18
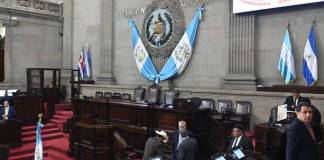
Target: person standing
x=177 y=139
x=301 y=139
x=187 y=148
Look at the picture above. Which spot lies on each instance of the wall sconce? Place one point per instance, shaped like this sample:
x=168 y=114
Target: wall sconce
x=14 y=21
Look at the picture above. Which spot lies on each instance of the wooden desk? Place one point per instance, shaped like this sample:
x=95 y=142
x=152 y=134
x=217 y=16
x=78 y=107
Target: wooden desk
x=135 y=122
x=11 y=133
x=27 y=108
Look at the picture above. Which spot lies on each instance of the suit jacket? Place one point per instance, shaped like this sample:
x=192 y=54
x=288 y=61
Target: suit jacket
x=152 y=148
x=175 y=141
x=245 y=144
x=300 y=144
x=11 y=113
x=187 y=149
x=290 y=101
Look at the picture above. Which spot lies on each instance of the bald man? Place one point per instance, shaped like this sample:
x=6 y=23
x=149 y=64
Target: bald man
x=177 y=139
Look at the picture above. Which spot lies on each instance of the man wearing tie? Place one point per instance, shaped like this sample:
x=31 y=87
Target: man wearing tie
x=301 y=139
x=239 y=140
x=292 y=101
x=177 y=139
x=7 y=112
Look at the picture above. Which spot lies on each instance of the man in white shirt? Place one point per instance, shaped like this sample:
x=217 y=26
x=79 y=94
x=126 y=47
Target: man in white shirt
x=239 y=140
x=7 y=112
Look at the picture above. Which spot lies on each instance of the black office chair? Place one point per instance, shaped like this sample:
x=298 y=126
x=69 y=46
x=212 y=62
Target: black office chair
x=206 y=104
x=126 y=96
x=99 y=94
x=116 y=96
x=139 y=93
x=153 y=94
x=108 y=95
x=241 y=113
x=223 y=109
x=169 y=95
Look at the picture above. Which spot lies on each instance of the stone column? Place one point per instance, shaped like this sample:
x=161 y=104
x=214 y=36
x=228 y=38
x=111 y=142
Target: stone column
x=68 y=12
x=240 y=69
x=106 y=42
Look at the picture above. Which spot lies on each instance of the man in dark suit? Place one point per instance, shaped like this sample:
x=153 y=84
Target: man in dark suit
x=239 y=140
x=153 y=145
x=301 y=139
x=182 y=127
x=7 y=112
x=187 y=148
x=294 y=100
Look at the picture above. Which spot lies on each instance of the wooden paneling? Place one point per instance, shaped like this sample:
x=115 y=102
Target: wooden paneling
x=27 y=107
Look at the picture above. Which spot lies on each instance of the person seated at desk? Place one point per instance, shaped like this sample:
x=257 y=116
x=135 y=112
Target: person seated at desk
x=7 y=112
x=294 y=100
x=154 y=145
x=239 y=140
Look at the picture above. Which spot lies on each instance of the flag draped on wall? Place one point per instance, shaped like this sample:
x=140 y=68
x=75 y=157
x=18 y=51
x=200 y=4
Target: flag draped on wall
x=87 y=63
x=286 y=64
x=179 y=58
x=142 y=58
x=81 y=63
x=39 y=145
x=181 y=55
x=310 y=59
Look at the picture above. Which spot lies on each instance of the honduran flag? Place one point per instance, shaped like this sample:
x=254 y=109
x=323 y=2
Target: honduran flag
x=310 y=59
x=142 y=58
x=81 y=63
x=286 y=64
x=181 y=55
x=87 y=63
x=39 y=145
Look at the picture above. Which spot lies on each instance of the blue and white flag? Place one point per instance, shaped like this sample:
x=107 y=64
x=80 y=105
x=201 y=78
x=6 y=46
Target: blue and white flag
x=142 y=58
x=286 y=64
x=81 y=63
x=181 y=55
x=39 y=145
x=310 y=59
x=87 y=63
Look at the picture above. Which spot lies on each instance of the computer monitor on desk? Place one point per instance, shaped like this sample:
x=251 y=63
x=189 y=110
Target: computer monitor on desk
x=237 y=154
x=278 y=114
x=219 y=156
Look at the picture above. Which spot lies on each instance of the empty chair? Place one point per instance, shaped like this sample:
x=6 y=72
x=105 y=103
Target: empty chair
x=206 y=104
x=99 y=94
x=107 y=95
x=169 y=95
x=126 y=96
x=139 y=93
x=223 y=109
x=153 y=93
x=116 y=96
x=242 y=113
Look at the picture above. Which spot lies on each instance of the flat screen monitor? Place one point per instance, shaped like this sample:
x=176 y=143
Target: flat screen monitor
x=11 y=91
x=282 y=112
x=220 y=158
x=238 y=153
x=2 y=93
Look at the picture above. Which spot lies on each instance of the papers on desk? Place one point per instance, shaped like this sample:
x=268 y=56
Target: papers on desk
x=282 y=112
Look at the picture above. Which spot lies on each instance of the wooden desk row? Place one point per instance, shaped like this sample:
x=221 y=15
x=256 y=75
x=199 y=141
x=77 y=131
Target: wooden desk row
x=134 y=121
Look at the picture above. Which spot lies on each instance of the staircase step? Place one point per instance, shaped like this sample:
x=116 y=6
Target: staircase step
x=26 y=149
x=44 y=137
x=33 y=127
x=56 y=121
x=44 y=132
x=61 y=117
x=29 y=156
x=64 y=113
x=58 y=155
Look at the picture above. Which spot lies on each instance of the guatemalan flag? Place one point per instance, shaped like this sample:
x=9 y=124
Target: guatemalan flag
x=142 y=58
x=310 y=59
x=87 y=63
x=81 y=63
x=39 y=145
x=286 y=64
x=181 y=55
